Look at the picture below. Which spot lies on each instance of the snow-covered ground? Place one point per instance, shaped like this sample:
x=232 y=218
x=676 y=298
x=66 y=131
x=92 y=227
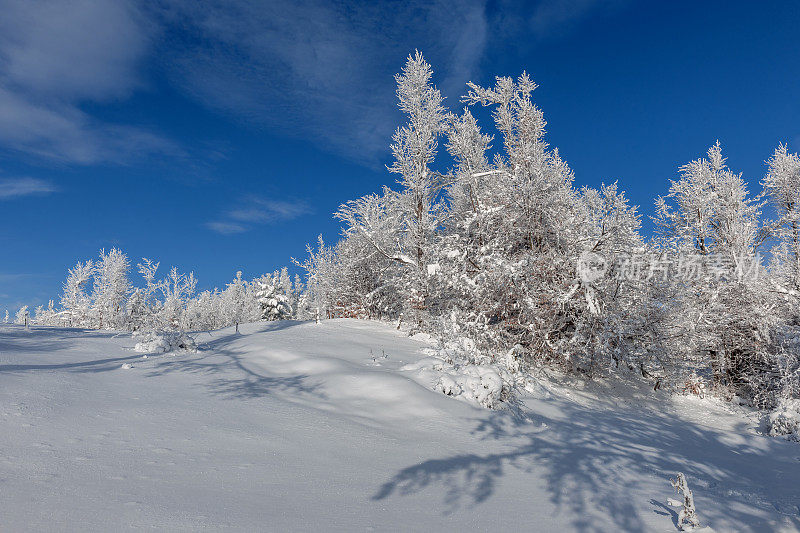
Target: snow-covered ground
x=299 y=426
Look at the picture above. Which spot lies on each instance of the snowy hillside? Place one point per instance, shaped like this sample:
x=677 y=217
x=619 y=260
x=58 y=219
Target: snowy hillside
x=320 y=427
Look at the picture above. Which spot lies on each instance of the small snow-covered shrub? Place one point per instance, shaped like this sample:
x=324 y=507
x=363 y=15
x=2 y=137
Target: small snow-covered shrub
x=695 y=384
x=784 y=420
x=166 y=342
x=483 y=385
x=478 y=384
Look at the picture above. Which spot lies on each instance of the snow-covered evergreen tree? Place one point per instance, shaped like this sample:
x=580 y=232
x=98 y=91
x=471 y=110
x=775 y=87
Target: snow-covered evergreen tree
x=274 y=298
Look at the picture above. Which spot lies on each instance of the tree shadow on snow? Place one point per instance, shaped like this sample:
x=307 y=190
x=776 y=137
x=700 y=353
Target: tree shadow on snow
x=35 y=340
x=94 y=365
x=42 y=341
x=234 y=378
x=599 y=465
x=666 y=511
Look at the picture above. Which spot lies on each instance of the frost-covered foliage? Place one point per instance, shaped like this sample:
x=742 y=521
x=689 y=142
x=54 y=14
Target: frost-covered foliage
x=504 y=257
x=99 y=294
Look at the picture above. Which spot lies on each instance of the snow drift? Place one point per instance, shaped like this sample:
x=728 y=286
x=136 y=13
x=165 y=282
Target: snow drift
x=338 y=426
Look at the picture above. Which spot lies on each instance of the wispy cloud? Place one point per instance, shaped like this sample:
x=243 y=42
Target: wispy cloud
x=225 y=228
x=57 y=56
x=258 y=211
x=319 y=70
x=554 y=16
x=270 y=210
x=6 y=277
x=310 y=69
x=16 y=187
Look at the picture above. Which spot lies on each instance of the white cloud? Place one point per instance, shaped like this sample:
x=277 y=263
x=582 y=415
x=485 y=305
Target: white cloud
x=62 y=132
x=553 y=16
x=225 y=228
x=56 y=56
x=309 y=69
x=13 y=278
x=258 y=211
x=16 y=187
x=75 y=50
x=262 y=211
x=319 y=70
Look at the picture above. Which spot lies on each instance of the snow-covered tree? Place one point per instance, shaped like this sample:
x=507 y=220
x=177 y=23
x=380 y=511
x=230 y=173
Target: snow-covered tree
x=712 y=211
x=110 y=289
x=721 y=312
x=409 y=218
x=177 y=288
x=234 y=301
x=144 y=307
x=322 y=287
x=274 y=299
x=46 y=316
x=511 y=244
x=75 y=302
x=414 y=149
x=782 y=186
x=22 y=316
x=370 y=280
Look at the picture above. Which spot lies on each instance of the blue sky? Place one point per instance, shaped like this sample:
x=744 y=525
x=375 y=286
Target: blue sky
x=221 y=137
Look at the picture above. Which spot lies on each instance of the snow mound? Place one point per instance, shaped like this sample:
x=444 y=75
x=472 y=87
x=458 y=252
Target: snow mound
x=480 y=385
x=785 y=420
x=166 y=342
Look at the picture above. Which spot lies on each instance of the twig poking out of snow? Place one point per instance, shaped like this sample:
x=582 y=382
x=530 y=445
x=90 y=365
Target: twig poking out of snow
x=687 y=517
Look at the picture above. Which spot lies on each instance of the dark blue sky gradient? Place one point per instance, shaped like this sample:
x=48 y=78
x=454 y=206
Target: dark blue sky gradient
x=259 y=121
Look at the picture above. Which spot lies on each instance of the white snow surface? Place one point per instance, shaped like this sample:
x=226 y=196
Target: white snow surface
x=337 y=426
